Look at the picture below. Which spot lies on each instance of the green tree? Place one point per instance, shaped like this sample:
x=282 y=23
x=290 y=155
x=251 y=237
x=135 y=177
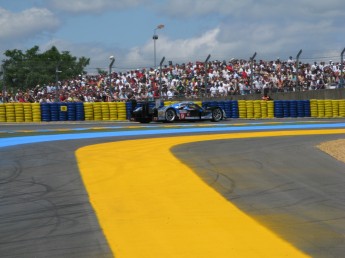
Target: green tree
x=26 y=70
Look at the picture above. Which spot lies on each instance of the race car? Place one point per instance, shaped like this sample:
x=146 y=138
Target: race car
x=180 y=111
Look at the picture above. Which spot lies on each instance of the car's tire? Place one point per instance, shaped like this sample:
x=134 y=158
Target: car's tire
x=217 y=114
x=170 y=115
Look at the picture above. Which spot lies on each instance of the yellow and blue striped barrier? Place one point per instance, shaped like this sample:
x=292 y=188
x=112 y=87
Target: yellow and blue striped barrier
x=120 y=111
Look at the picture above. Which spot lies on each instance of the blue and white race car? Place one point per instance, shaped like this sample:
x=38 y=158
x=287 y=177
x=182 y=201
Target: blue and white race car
x=180 y=111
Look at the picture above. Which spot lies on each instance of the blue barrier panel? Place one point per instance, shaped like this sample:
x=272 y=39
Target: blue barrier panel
x=71 y=111
x=307 y=108
x=293 y=108
x=300 y=108
x=62 y=111
x=79 y=111
x=128 y=109
x=228 y=108
x=286 y=108
x=278 y=109
x=234 y=109
x=54 y=112
x=45 y=112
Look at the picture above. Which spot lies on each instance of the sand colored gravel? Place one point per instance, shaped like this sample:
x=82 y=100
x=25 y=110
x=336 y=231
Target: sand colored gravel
x=334 y=148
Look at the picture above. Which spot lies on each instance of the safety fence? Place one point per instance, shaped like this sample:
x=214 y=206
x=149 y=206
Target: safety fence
x=121 y=111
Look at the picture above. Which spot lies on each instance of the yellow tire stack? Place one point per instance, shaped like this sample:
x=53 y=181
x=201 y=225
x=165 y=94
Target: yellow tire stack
x=105 y=111
x=342 y=108
x=27 y=112
x=335 y=108
x=2 y=113
x=320 y=108
x=10 y=112
x=313 y=108
x=328 y=108
x=19 y=112
x=88 y=111
x=121 y=111
x=257 y=109
x=167 y=103
x=242 y=110
x=36 y=112
x=270 y=109
x=264 y=108
x=112 y=111
x=250 y=108
x=97 y=111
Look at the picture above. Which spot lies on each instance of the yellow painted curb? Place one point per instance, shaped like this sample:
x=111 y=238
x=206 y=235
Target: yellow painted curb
x=149 y=204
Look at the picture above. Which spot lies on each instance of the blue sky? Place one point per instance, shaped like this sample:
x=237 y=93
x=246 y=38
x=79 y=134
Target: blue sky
x=193 y=29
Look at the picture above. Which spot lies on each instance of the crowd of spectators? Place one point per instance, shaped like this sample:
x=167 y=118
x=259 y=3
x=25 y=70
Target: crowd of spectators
x=216 y=79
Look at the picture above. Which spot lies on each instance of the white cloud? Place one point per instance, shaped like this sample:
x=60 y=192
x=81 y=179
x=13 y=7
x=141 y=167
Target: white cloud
x=27 y=24
x=98 y=53
x=92 y=6
x=178 y=51
x=249 y=9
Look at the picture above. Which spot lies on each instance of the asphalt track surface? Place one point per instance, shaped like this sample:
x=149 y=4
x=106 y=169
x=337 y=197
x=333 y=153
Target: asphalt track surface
x=284 y=183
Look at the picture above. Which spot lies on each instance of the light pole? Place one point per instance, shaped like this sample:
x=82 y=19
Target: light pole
x=297 y=68
x=205 y=77
x=341 y=84
x=112 y=60
x=252 y=73
x=160 y=77
x=3 y=83
x=155 y=37
x=57 y=83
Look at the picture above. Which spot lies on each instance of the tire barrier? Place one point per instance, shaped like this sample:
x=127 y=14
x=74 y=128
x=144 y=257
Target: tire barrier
x=121 y=111
x=293 y=108
x=45 y=112
x=313 y=108
x=129 y=106
x=270 y=109
x=105 y=111
x=10 y=112
x=228 y=108
x=88 y=111
x=97 y=111
x=307 y=112
x=63 y=111
x=341 y=108
x=36 y=112
x=257 y=109
x=19 y=112
x=2 y=113
x=286 y=108
x=335 y=108
x=242 y=112
x=278 y=109
x=114 y=111
x=249 y=109
x=300 y=109
x=264 y=109
x=234 y=109
x=54 y=112
x=79 y=111
x=320 y=108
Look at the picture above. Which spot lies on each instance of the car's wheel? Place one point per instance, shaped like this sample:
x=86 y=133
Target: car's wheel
x=170 y=115
x=217 y=115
